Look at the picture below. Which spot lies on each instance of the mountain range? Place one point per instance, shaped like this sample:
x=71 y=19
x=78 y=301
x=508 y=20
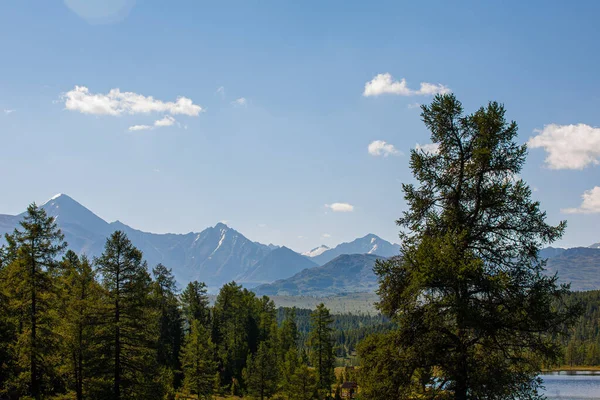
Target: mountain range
x=349 y=273
x=370 y=244
x=220 y=254
x=216 y=255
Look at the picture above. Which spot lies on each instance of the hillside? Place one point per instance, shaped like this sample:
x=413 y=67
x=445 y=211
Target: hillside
x=580 y=266
x=344 y=274
x=280 y=263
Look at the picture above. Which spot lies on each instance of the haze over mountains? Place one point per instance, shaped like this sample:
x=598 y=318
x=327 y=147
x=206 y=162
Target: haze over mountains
x=220 y=254
x=216 y=255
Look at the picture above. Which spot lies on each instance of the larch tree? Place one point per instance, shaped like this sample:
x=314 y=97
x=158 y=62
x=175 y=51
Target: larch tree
x=475 y=311
x=170 y=323
x=129 y=320
x=197 y=362
x=262 y=372
x=320 y=342
x=235 y=331
x=303 y=385
x=30 y=259
x=195 y=304
x=79 y=298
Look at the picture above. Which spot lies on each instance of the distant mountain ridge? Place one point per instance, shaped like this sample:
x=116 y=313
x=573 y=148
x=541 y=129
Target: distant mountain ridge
x=346 y=273
x=270 y=269
x=216 y=255
x=369 y=244
x=220 y=254
x=578 y=266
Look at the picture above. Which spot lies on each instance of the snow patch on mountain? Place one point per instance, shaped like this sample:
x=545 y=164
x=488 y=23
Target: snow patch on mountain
x=317 y=251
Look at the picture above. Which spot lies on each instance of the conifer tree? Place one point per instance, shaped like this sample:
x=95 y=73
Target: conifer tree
x=261 y=372
x=8 y=326
x=320 y=341
x=475 y=312
x=236 y=331
x=197 y=361
x=129 y=321
x=288 y=332
x=303 y=385
x=80 y=296
x=30 y=261
x=170 y=321
x=194 y=303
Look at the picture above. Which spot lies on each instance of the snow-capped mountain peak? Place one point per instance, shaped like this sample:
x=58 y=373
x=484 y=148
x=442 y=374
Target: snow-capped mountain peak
x=369 y=244
x=316 y=251
x=68 y=211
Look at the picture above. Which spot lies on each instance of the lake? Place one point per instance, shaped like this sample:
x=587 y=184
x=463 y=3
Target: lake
x=572 y=385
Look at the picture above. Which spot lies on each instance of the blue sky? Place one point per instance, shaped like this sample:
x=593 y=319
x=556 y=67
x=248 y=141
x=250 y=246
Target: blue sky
x=269 y=164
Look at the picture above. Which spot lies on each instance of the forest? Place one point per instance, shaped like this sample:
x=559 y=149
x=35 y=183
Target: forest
x=111 y=328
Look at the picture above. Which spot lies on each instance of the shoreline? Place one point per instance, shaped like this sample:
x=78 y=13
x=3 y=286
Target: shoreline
x=573 y=368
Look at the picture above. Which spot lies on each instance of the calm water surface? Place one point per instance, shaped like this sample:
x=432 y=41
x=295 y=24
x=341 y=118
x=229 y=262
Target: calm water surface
x=572 y=385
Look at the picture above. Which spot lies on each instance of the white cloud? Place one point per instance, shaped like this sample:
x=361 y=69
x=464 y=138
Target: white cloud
x=414 y=105
x=340 y=207
x=326 y=235
x=589 y=205
x=117 y=103
x=139 y=128
x=166 y=121
x=240 y=102
x=262 y=225
x=568 y=146
x=385 y=84
x=221 y=91
x=381 y=148
x=7 y=111
x=430 y=148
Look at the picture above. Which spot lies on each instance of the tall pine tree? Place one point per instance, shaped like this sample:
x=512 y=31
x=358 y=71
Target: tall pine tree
x=31 y=257
x=170 y=321
x=320 y=341
x=194 y=304
x=261 y=373
x=476 y=314
x=198 y=366
x=129 y=320
x=80 y=296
